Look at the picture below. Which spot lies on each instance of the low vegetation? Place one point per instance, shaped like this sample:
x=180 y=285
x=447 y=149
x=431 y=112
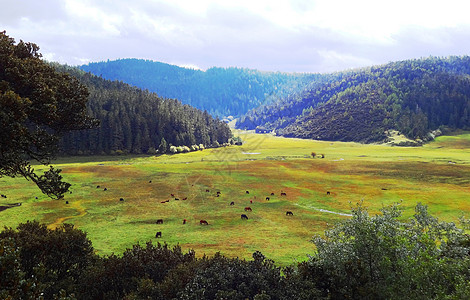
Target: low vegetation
x=378 y=257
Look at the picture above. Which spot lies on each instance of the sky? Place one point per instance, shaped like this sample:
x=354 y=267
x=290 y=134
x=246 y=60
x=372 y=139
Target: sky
x=315 y=36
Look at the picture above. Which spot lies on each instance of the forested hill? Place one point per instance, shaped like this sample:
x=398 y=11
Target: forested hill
x=412 y=96
x=138 y=121
x=220 y=91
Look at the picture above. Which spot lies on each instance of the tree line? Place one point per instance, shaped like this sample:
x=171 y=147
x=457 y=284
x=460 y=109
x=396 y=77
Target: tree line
x=221 y=91
x=138 y=121
x=365 y=257
x=412 y=96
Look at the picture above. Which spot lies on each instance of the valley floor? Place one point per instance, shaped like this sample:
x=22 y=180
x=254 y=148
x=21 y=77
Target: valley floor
x=318 y=191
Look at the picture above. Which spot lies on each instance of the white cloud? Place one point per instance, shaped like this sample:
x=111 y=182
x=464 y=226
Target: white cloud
x=278 y=35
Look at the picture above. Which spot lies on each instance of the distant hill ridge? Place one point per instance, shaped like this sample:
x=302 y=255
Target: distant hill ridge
x=220 y=91
x=413 y=97
x=138 y=121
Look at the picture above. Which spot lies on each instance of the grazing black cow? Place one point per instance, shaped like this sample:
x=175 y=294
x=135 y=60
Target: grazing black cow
x=36 y=197
x=105 y=189
x=203 y=222
x=4 y=196
x=232 y=203
x=267 y=198
x=166 y=201
x=384 y=189
x=289 y=213
x=97 y=186
x=150 y=181
x=272 y=194
x=184 y=221
x=177 y=198
x=121 y=199
x=248 y=208
x=67 y=202
x=218 y=193
x=70 y=192
x=160 y=221
x=247 y=192
x=328 y=192
x=207 y=191
x=244 y=217
x=159 y=234
x=283 y=194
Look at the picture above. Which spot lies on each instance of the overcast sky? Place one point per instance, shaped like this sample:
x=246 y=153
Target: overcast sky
x=270 y=35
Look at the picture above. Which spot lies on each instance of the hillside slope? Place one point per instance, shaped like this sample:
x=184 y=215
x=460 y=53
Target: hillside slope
x=137 y=121
x=413 y=97
x=220 y=91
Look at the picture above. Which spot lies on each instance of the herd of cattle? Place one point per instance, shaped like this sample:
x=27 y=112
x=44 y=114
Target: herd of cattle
x=232 y=203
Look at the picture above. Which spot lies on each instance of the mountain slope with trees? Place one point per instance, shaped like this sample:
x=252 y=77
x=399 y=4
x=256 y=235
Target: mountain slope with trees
x=137 y=121
x=412 y=96
x=220 y=91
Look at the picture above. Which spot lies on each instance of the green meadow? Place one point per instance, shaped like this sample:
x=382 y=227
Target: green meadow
x=437 y=174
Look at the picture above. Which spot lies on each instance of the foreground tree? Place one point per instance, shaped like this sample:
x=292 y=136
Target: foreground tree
x=381 y=257
x=37 y=105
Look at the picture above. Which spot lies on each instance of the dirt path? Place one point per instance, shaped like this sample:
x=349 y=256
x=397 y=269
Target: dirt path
x=81 y=212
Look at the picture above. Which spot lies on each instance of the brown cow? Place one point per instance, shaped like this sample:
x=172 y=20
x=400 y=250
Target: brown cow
x=158 y=234
x=203 y=222
x=172 y=195
x=248 y=208
x=251 y=201
x=207 y=191
x=185 y=198
x=289 y=213
x=160 y=221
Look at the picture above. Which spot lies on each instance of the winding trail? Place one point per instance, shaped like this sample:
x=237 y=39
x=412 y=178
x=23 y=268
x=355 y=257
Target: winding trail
x=61 y=220
x=325 y=211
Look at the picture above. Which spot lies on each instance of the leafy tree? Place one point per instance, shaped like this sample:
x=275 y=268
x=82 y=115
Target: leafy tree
x=57 y=258
x=381 y=257
x=163 y=147
x=37 y=105
x=13 y=284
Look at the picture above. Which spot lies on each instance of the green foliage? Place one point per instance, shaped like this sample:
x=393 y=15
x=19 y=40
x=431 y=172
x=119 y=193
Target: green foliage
x=13 y=284
x=139 y=268
x=133 y=120
x=413 y=97
x=220 y=91
x=56 y=258
x=37 y=105
x=381 y=257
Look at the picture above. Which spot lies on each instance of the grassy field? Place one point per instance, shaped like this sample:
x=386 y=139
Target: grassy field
x=437 y=174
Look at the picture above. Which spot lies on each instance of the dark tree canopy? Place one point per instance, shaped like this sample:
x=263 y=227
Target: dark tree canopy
x=37 y=105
